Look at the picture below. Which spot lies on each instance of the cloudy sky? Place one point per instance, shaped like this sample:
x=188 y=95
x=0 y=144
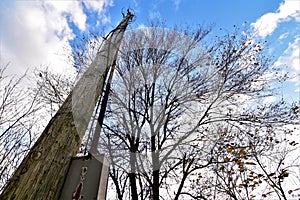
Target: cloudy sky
x=37 y=33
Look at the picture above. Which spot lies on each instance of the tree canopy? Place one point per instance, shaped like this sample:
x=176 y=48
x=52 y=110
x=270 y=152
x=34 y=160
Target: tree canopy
x=187 y=119
x=186 y=116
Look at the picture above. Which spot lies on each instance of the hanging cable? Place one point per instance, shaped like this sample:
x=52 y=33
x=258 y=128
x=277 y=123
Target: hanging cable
x=100 y=119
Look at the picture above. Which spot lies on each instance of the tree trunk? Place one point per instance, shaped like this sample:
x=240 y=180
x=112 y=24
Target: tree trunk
x=155 y=169
x=42 y=172
x=155 y=175
x=132 y=175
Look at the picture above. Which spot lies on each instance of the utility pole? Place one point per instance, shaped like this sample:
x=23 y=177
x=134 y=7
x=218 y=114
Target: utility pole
x=41 y=174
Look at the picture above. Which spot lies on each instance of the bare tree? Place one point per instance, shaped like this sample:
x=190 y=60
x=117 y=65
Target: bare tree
x=187 y=122
x=51 y=88
x=18 y=122
x=85 y=49
x=27 y=104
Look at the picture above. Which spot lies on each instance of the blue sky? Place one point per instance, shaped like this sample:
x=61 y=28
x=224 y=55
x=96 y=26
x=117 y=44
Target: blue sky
x=35 y=33
x=224 y=13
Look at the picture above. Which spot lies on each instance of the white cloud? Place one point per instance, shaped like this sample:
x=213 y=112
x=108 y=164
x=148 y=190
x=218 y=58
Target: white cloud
x=97 y=5
x=291 y=59
x=141 y=26
x=283 y=36
x=154 y=15
x=176 y=4
x=61 y=9
x=35 y=33
x=265 y=25
x=269 y=100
